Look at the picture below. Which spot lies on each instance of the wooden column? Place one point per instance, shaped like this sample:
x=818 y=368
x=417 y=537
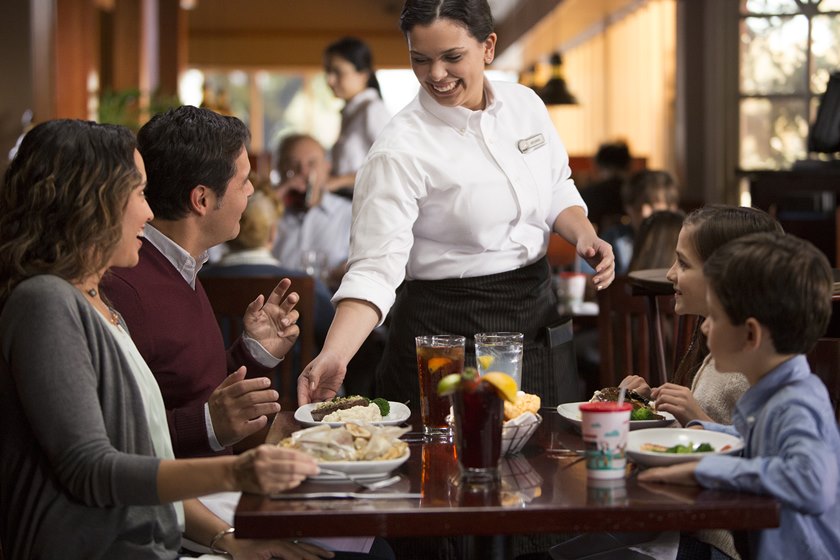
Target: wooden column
x=172 y=46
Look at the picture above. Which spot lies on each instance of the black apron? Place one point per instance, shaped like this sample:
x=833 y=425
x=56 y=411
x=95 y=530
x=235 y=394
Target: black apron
x=520 y=300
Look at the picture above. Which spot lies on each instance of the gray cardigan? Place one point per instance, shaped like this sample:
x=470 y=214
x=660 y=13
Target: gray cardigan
x=78 y=475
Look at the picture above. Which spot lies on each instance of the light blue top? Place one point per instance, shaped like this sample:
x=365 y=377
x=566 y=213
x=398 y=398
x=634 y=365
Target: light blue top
x=792 y=452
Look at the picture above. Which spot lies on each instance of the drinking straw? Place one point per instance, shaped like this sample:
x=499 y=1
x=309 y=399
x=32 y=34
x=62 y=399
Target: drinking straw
x=621 y=396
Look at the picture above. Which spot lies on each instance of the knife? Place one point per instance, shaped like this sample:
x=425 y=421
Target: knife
x=344 y=496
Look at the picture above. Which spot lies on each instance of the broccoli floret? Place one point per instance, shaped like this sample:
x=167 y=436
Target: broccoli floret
x=384 y=406
x=642 y=413
x=704 y=448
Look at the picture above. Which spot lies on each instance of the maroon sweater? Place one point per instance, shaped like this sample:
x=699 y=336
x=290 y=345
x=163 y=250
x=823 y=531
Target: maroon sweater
x=176 y=332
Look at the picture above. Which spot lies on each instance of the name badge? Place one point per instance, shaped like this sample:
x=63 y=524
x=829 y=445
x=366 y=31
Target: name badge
x=530 y=144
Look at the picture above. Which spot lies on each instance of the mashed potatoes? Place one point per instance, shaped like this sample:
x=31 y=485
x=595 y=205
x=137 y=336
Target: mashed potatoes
x=369 y=413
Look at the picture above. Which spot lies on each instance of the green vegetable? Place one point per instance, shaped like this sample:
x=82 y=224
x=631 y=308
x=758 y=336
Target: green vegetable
x=384 y=406
x=642 y=413
x=690 y=448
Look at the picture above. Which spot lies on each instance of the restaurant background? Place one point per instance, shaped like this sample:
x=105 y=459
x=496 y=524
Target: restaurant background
x=709 y=90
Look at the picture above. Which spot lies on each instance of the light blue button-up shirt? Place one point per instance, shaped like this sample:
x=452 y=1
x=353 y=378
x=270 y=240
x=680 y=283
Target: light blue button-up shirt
x=791 y=452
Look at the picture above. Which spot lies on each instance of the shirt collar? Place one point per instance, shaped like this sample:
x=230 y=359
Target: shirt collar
x=789 y=371
x=361 y=98
x=183 y=262
x=459 y=117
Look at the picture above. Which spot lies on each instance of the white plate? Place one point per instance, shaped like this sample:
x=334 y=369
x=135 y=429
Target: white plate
x=673 y=436
x=363 y=470
x=571 y=412
x=399 y=413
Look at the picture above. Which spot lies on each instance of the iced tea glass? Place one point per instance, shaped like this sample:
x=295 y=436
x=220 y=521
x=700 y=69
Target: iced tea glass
x=437 y=356
x=477 y=413
x=500 y=351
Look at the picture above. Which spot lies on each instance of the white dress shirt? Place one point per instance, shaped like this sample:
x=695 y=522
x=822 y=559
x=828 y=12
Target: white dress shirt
x=324 y=228
x=447 y=192
x=362 y=119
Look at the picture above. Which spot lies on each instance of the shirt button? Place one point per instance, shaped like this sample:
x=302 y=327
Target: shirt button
x=750 y=419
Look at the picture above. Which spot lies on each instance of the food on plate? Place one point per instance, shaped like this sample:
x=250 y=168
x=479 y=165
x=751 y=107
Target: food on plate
x=338 y=403
x=642 y=409
x=353 y=407
x=690 y=447
x=350 y=442
x=363 y=414
x=525 y=402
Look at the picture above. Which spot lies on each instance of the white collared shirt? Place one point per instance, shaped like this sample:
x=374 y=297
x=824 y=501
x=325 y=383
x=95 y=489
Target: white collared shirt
x=324 y=228
x=362 y=119
x=447 y=192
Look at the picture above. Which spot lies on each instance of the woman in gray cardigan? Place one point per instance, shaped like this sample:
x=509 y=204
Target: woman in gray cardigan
x=87 y=467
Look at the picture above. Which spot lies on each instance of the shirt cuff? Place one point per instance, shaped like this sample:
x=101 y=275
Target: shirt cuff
x=259 y=353
x=211 y=434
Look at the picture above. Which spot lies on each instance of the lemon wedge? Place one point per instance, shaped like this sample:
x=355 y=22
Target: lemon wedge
x=438 y=362
x=503 y=383
x=449 y=384
x=485 y=361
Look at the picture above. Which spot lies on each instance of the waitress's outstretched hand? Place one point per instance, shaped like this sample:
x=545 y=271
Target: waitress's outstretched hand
x=599 y=254
x=321 y=378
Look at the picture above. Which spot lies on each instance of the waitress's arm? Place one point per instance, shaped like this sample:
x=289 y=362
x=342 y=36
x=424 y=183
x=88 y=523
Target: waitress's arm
x=573 y=226
x=354 y=320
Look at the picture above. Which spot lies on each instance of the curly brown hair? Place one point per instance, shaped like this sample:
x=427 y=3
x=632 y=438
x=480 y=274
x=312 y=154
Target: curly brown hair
x=63 y=199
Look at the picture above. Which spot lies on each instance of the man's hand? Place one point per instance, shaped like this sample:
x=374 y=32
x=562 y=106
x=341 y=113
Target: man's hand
x=320 y=379
x=682 y=473
x=599 y=254
x=274 y=323
x=239 y=406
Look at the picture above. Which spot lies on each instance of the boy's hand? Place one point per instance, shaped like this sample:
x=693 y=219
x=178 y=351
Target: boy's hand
x=682 y=473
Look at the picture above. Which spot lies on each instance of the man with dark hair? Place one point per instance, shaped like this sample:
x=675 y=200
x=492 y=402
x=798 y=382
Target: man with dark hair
x=198 y=187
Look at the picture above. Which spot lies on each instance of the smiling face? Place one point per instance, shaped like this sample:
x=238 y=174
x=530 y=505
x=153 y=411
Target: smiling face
x=137 y=214
x=343 y=78
x=225 y=212
x=449 y=62
x=686 y=274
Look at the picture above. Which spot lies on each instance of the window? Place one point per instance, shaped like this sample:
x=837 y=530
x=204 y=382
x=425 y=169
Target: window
x=788 y=48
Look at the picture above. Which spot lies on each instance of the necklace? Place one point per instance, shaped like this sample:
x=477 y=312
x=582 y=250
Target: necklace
x=113 y=317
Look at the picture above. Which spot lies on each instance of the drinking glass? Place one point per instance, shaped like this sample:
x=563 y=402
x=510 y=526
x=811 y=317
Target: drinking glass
x=477 y=414
x=437 y=357
x=500 y=351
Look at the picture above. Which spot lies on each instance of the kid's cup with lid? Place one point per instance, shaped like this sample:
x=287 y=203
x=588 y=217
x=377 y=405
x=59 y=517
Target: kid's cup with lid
x=605 y=426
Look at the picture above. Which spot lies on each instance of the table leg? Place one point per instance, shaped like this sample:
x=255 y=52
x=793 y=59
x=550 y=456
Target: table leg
x=496 y=547
x=658 y=372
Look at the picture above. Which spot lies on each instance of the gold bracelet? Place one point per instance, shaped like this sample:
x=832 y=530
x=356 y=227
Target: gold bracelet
x=217 y=537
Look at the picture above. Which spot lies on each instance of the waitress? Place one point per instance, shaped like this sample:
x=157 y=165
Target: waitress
x=452 y=215
x=348 y=64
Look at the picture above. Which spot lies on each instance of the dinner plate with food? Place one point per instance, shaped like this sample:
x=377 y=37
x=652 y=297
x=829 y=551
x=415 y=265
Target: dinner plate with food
x=354 y=408
x=363 y=451
x=669 y=446
x=643 y=415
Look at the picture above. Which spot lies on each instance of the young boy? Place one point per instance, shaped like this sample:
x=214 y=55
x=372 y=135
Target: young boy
x=769 y=301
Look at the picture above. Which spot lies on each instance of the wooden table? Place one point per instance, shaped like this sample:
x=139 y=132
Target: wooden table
x=543 y=490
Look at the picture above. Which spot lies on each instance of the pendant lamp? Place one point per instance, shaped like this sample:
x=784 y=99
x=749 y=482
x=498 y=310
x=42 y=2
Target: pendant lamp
x=555 y=92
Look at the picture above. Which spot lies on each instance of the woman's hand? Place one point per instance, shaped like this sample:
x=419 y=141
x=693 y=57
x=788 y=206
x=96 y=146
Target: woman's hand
x=679 y=401
x=246 y=549
x=636 y=383
x=599 y=254
x=268 y=469
x=321 y=378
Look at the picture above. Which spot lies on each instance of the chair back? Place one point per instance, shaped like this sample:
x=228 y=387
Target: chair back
x=231 y=296
x=625 y=333
x=824 y=359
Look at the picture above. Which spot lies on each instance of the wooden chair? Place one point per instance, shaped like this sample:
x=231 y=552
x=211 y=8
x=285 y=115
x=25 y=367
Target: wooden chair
x=231 y=296
x=625 y=332
x=824 y=358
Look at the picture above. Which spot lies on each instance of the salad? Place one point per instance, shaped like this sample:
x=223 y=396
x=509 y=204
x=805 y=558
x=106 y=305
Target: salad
x=689 y=447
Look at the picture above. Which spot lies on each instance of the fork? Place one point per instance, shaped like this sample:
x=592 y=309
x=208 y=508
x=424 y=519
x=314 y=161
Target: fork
x=375 y=485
